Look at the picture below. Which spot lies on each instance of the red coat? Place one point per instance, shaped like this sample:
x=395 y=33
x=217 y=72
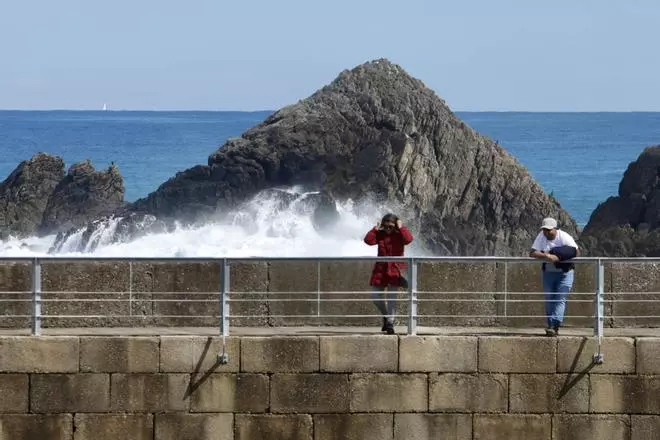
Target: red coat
x=389 y=245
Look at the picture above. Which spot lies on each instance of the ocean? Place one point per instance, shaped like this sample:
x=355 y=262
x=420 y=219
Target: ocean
x=578 y=157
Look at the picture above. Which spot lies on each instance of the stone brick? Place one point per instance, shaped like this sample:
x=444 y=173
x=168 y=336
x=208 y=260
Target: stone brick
x=517 y=354
x=299 y=354
x=117 y=354
x=182 y=426
x=525 y=308
x=113 y=426
x=648 y=356
x=309 y=393
x=625 y=394
x=54 y=393
x=348 y=353
x=512 y=427
x=292 y=280
x=354 y=308
x=253 y=278
x=645 y=427
x=451 y=392
x=454 y=283
x=388 y=392
x=149 y=392
x=15 y=393
x=438 y=353
x=36 y=427
x=432 y=426
x=226 y=392
x=548 y=393
x=353 y=427
x=38 y=354
x=273 y=427
x=197 y=354
x=640 y=282
x=591 y=427
x=575 y=355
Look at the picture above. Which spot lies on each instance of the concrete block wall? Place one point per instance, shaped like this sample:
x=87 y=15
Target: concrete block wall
x=328 y=387
x=285 y=294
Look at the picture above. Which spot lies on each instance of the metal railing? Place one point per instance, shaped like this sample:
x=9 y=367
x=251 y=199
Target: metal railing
x=222 y=298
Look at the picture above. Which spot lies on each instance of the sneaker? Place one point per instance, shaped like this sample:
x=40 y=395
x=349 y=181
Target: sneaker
x=556 y=328
x=550 y=331
x=389 y=328
x=384 y=328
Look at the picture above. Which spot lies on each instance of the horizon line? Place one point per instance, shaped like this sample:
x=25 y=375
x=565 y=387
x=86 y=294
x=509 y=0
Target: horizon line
x=275 y=110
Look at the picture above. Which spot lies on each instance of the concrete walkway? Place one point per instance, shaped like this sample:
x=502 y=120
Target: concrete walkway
x=326 y=330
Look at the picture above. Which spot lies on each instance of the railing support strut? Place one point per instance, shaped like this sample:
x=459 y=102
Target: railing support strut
x=412 y=297
x=599 y=310
x=225 y=283
x=36 y=297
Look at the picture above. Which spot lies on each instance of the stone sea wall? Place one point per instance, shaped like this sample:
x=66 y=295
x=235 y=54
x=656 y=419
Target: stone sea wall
x=328 y=387
x=279 y=293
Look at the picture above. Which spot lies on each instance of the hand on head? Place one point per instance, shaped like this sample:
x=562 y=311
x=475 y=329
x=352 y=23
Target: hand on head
x=389 y=223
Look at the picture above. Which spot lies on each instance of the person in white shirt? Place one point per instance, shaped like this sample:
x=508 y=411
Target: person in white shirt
x=554 y=246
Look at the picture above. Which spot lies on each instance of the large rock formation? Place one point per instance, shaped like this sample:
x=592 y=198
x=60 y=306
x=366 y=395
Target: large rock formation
x=38 y=197
x=82 y=195
x=376 y=133
x=24 y=194
x=629 y=224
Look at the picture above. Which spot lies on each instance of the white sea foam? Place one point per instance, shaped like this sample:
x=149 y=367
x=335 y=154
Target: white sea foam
x=263 y=227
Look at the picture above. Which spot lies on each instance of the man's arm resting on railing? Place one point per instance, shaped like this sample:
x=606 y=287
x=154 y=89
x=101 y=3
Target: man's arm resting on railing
x=542 y=255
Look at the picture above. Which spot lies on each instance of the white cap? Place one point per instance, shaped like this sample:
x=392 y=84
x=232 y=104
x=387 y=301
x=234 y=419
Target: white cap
x=549 y=223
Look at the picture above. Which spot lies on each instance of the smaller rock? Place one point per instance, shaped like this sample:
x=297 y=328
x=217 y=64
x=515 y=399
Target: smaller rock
x=628 y=225
x=25 y=193
x=83 y=195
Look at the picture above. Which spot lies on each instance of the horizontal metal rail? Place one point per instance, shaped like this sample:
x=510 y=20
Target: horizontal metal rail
x=257 y=259
x=38 y=304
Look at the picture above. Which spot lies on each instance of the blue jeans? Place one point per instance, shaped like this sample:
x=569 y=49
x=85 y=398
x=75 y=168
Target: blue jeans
x=556 y=286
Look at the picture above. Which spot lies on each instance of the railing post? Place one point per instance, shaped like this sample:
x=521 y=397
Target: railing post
x=506 y=290
x=36 y=297
x=412 y=297
x=130 y=287
x=225 y=283
x=318 y=291
x=599 y=309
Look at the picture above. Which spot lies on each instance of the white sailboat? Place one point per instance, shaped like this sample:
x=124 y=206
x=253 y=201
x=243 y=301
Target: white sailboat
x=105 y=107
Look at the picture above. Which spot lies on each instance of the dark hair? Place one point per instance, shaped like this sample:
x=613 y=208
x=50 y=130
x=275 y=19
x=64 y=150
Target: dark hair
x=389 y=217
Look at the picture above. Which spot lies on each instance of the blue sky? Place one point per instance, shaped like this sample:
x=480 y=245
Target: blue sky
x=584 y=55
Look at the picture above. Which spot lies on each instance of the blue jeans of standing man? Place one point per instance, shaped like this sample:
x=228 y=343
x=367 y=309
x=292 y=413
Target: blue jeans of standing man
x=556 y=286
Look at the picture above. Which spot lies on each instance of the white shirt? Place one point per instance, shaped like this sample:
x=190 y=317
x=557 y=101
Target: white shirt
x=541 y=243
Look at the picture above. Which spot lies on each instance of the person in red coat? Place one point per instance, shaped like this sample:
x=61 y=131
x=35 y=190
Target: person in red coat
x=391 y=237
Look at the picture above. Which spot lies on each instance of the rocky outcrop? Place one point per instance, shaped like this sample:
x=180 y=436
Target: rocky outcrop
x=39 y=198
x=24 y=194
x=82 y=195
x=629 y=224
x=376 y=133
